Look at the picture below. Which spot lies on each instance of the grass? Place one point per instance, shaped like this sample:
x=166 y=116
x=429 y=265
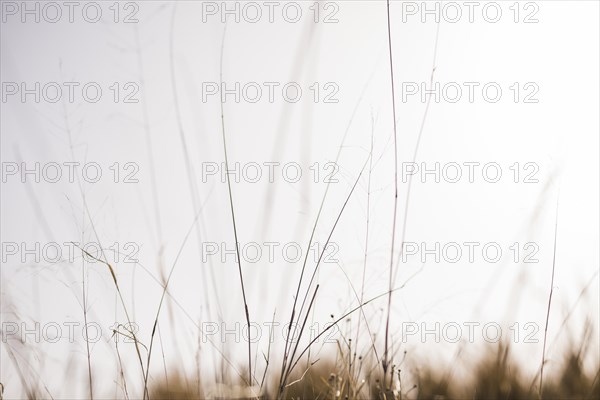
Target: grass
x=495 y=375
x=354 y=369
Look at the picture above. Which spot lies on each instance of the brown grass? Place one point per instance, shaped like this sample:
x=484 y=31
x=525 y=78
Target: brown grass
x=494 y=376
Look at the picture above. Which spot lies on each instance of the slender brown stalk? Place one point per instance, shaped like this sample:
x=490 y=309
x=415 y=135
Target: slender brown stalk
x=549 y=302
x=302 y=330
x=84 y=300
x=408 y=191
x=162 y=350
x=364 y=273
x=235 y=235
x=151 y=162
x=162 y=298
x=416 y=151
x=268 y=356
x=121 y=371
x=85 y=321
x=149 y=145
x=385 y=360
x=189 y=168
x=192 y=180
x=285 y=118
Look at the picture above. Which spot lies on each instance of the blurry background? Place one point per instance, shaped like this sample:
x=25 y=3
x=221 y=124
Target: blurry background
x=165 y=58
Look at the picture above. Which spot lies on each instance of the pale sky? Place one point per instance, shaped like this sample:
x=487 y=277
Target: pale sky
x=543 y=126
